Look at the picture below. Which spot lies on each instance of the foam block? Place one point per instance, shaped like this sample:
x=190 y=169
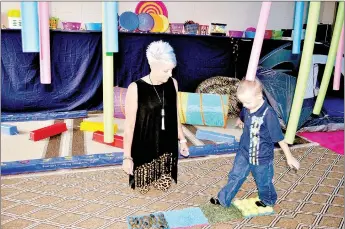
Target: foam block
x=214 y=136
x=98 y=136
x=94 y=126
x=8 y=129
x=216 y=149
x=219 y=214
x=48 y=131
x=203 y=109
x=249 y=209
x=184 y=218
x=154 y=220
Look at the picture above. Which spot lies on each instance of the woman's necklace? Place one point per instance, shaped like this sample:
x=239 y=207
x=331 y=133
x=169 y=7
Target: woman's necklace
x=162 y=103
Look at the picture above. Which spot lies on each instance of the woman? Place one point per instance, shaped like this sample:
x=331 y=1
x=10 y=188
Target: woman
x=152 y=126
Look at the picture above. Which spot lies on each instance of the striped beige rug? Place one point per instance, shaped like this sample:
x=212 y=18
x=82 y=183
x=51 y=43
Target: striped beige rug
x=100 y=198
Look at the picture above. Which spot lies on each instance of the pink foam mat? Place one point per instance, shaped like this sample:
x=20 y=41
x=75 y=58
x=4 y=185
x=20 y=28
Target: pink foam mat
x=330 y=140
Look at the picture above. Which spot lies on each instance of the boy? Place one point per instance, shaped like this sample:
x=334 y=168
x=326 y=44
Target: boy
x=261 y=129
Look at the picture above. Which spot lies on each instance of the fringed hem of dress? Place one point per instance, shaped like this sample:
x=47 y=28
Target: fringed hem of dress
x=146 y=174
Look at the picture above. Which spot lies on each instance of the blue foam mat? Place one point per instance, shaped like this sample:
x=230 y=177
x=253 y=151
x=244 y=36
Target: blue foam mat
x=214 y=136
x=82 y=161
x=39 y=116
x=185 y=217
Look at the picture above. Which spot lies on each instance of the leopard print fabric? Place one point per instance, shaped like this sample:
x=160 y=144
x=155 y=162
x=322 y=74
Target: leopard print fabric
x=162 y=184
x=145 y=175
x=223 y=86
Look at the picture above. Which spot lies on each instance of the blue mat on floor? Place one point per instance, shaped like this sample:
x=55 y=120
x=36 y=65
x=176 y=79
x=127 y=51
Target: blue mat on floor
x=83 y=161
x=39 y=116
x=51 y=164
x=185 y=217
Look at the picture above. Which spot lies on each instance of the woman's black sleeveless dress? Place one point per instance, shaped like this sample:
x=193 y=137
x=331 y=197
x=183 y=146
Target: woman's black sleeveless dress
x=154 y=151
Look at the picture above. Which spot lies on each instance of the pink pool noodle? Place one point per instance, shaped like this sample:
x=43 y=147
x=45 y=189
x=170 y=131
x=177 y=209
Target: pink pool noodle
x=337 y=70
x=258 y=40
x=43 y=18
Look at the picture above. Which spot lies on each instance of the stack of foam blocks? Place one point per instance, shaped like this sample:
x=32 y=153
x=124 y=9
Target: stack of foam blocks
x=96 y=127
x=98 y=133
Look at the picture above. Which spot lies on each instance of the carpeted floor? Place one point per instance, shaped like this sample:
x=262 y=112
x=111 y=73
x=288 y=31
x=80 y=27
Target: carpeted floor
x=100 y=198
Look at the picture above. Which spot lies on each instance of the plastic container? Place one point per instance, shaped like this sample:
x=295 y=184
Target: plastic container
x=203 y=29
x=14 y=23
x=93 y=26
x=251 y=29
x=236 y=34
x=71 y=25
x=218 y=28
x=250 y=34
x=191 y=28
x=277 y=34
x=268 y=34
x=53 y=22
x=176 y=28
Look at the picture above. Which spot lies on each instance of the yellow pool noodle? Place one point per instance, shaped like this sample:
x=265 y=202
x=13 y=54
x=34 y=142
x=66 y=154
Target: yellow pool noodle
x=94 y=126
x=182 y=101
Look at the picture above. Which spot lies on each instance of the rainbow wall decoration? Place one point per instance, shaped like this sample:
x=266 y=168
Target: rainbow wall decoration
x=154 y=7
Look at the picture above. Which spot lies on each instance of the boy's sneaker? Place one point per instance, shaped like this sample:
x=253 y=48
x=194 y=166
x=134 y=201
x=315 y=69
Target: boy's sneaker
x=214 y=201
x=260 y=204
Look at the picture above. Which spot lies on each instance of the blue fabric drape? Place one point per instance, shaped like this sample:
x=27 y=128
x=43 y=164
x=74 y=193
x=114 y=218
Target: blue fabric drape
x=76 y=59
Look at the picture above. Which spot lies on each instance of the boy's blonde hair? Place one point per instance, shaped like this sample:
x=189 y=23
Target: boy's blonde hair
x=160 y=51
x=245 y=86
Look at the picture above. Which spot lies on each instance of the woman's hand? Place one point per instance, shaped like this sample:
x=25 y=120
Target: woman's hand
x=127 y=166
x=184 y=151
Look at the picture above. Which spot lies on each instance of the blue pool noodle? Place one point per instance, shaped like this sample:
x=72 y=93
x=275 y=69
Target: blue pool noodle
x=111 y=27
x=298 y=27
x=30 y=30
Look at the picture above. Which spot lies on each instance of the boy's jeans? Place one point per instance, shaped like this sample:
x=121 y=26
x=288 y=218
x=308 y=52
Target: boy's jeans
x=263 y=175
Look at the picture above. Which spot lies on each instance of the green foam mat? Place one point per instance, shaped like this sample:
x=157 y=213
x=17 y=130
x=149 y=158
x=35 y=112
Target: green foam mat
x=219 y=214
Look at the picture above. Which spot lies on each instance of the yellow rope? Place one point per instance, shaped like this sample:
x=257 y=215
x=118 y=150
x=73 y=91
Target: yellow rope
x=201 y=111
x=181 y=114
x=224 y=115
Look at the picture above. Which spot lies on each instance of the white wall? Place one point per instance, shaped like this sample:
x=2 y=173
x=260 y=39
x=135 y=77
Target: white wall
x=237 y=15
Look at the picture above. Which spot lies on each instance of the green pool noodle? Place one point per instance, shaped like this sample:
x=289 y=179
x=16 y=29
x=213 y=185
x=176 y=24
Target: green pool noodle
x=303 y=74
x=330 y=60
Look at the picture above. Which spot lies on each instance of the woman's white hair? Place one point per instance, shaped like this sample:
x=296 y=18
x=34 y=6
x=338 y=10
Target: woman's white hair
x=160 y=51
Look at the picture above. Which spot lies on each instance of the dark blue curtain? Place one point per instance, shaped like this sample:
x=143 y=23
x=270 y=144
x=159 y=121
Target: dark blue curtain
x=76 y=72
x=76 y=67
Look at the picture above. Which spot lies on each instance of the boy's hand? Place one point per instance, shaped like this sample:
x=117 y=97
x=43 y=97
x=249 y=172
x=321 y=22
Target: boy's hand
x=293 y=163
x=239 y=123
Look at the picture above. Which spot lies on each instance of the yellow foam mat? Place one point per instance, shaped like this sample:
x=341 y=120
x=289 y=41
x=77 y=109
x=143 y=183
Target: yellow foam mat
x=249 y=209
